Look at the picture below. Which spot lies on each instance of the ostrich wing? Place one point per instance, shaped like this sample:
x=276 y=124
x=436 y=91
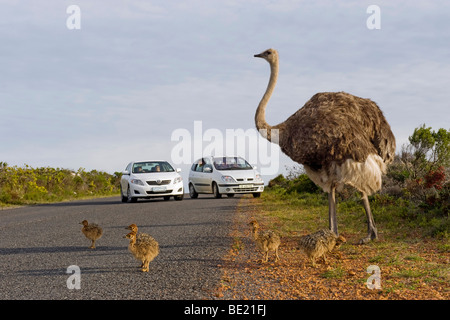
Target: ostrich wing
x=334 y=127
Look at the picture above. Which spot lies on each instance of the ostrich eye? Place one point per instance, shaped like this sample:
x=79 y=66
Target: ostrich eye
x=268 y=52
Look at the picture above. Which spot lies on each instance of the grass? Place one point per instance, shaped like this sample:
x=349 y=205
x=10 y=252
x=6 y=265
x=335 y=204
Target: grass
x=334 y=273
x=398 y=218
x=414 y=264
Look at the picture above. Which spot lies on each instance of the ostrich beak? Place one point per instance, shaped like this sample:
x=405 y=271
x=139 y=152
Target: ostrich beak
x=259 y=55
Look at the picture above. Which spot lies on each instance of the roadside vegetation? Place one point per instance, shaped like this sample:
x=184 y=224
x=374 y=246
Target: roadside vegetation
x=26 y=185
x=415 y=195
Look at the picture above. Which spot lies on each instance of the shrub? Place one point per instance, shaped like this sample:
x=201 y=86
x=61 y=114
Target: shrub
x=299 y=183
x=303 y=184
x=279 y=180
x=24 y=185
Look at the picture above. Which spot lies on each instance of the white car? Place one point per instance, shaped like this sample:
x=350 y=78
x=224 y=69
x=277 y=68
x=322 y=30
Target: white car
x=224 y=175
x=150 y=179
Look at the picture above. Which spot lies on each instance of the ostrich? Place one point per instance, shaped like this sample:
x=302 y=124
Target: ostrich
x=337 y=137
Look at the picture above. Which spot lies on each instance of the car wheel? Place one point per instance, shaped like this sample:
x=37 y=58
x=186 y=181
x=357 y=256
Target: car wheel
x=230 y=195
x=124 y=199
x=166 y=198
x=129 y=197
x=179 y=198
x=216 y=193
x=192 y=193
x=257 y=195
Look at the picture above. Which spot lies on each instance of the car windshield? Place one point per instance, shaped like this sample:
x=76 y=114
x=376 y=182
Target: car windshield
x=152 y=166
x=231 y=163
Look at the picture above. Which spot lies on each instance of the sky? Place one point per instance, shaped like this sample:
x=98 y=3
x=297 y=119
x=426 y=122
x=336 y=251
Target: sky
x=118 y=81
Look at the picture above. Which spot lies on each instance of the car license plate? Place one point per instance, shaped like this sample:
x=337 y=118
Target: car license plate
x=246 y=186
x=159 y=189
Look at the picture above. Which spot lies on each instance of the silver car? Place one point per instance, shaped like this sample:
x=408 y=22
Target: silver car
x=224 y=175
x=150 y=179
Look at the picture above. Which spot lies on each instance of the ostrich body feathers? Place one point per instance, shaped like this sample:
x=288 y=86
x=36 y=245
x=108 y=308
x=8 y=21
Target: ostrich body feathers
x=340 y=139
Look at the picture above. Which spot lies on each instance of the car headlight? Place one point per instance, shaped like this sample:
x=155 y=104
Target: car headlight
x=228 y=179
x=177 y=180
x=258 y=177
x=137 y=181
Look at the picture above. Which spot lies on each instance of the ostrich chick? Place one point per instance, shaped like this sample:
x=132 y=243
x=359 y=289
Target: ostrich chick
x=319 y=243
x=265 y=240
x=92 y=231
x=139 y=236
x=143 y=249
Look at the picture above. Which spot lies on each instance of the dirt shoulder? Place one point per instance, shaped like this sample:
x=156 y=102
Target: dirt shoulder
x=415 y=270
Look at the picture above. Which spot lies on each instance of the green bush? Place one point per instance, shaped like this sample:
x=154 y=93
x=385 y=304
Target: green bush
x=303 y=184
x=27 y=185
x=294 y=183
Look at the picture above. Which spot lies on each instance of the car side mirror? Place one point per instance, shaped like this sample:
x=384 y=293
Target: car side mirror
x=207 y=169
x=125 y=173
x=178 y=170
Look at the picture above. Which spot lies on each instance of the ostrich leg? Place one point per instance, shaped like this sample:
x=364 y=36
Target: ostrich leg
x=372 y=233
x=332 y=210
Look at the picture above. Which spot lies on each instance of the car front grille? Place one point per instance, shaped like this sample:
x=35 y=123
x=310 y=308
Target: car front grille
x=155 y=182
x=250 y=189
x=164 y=192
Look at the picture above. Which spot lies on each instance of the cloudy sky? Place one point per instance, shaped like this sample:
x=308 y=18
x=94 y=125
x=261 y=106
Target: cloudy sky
x=136 y=72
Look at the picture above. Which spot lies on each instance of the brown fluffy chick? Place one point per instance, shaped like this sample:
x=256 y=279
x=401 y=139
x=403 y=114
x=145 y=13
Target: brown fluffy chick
x=92 y=231
x=144 y=249
x=319 y=243
x=140 y=236
x=265 y=240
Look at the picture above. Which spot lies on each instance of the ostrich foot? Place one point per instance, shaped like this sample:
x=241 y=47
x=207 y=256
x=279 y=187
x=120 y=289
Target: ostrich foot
x=261 y=261
x=373 y=235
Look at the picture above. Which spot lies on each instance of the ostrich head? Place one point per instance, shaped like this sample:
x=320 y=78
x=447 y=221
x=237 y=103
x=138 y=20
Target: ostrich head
x=84 y=223
x=254 y=224
x=271 y=55
x=131 y=236
x=132 y=227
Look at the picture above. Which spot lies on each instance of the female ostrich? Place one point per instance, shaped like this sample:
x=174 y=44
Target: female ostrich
x=338 y=138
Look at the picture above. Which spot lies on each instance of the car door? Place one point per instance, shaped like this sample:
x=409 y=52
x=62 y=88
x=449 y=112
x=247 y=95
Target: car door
x=205 y=175
x=200 y=178
x=194 y=175
x=125 y=178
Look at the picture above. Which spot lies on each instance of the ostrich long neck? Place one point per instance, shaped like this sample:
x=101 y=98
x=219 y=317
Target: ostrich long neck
x=255 y=233
x=260 y=116
x=132 y=243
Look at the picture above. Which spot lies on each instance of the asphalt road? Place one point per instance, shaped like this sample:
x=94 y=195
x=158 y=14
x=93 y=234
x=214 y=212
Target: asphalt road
x=39 y=243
